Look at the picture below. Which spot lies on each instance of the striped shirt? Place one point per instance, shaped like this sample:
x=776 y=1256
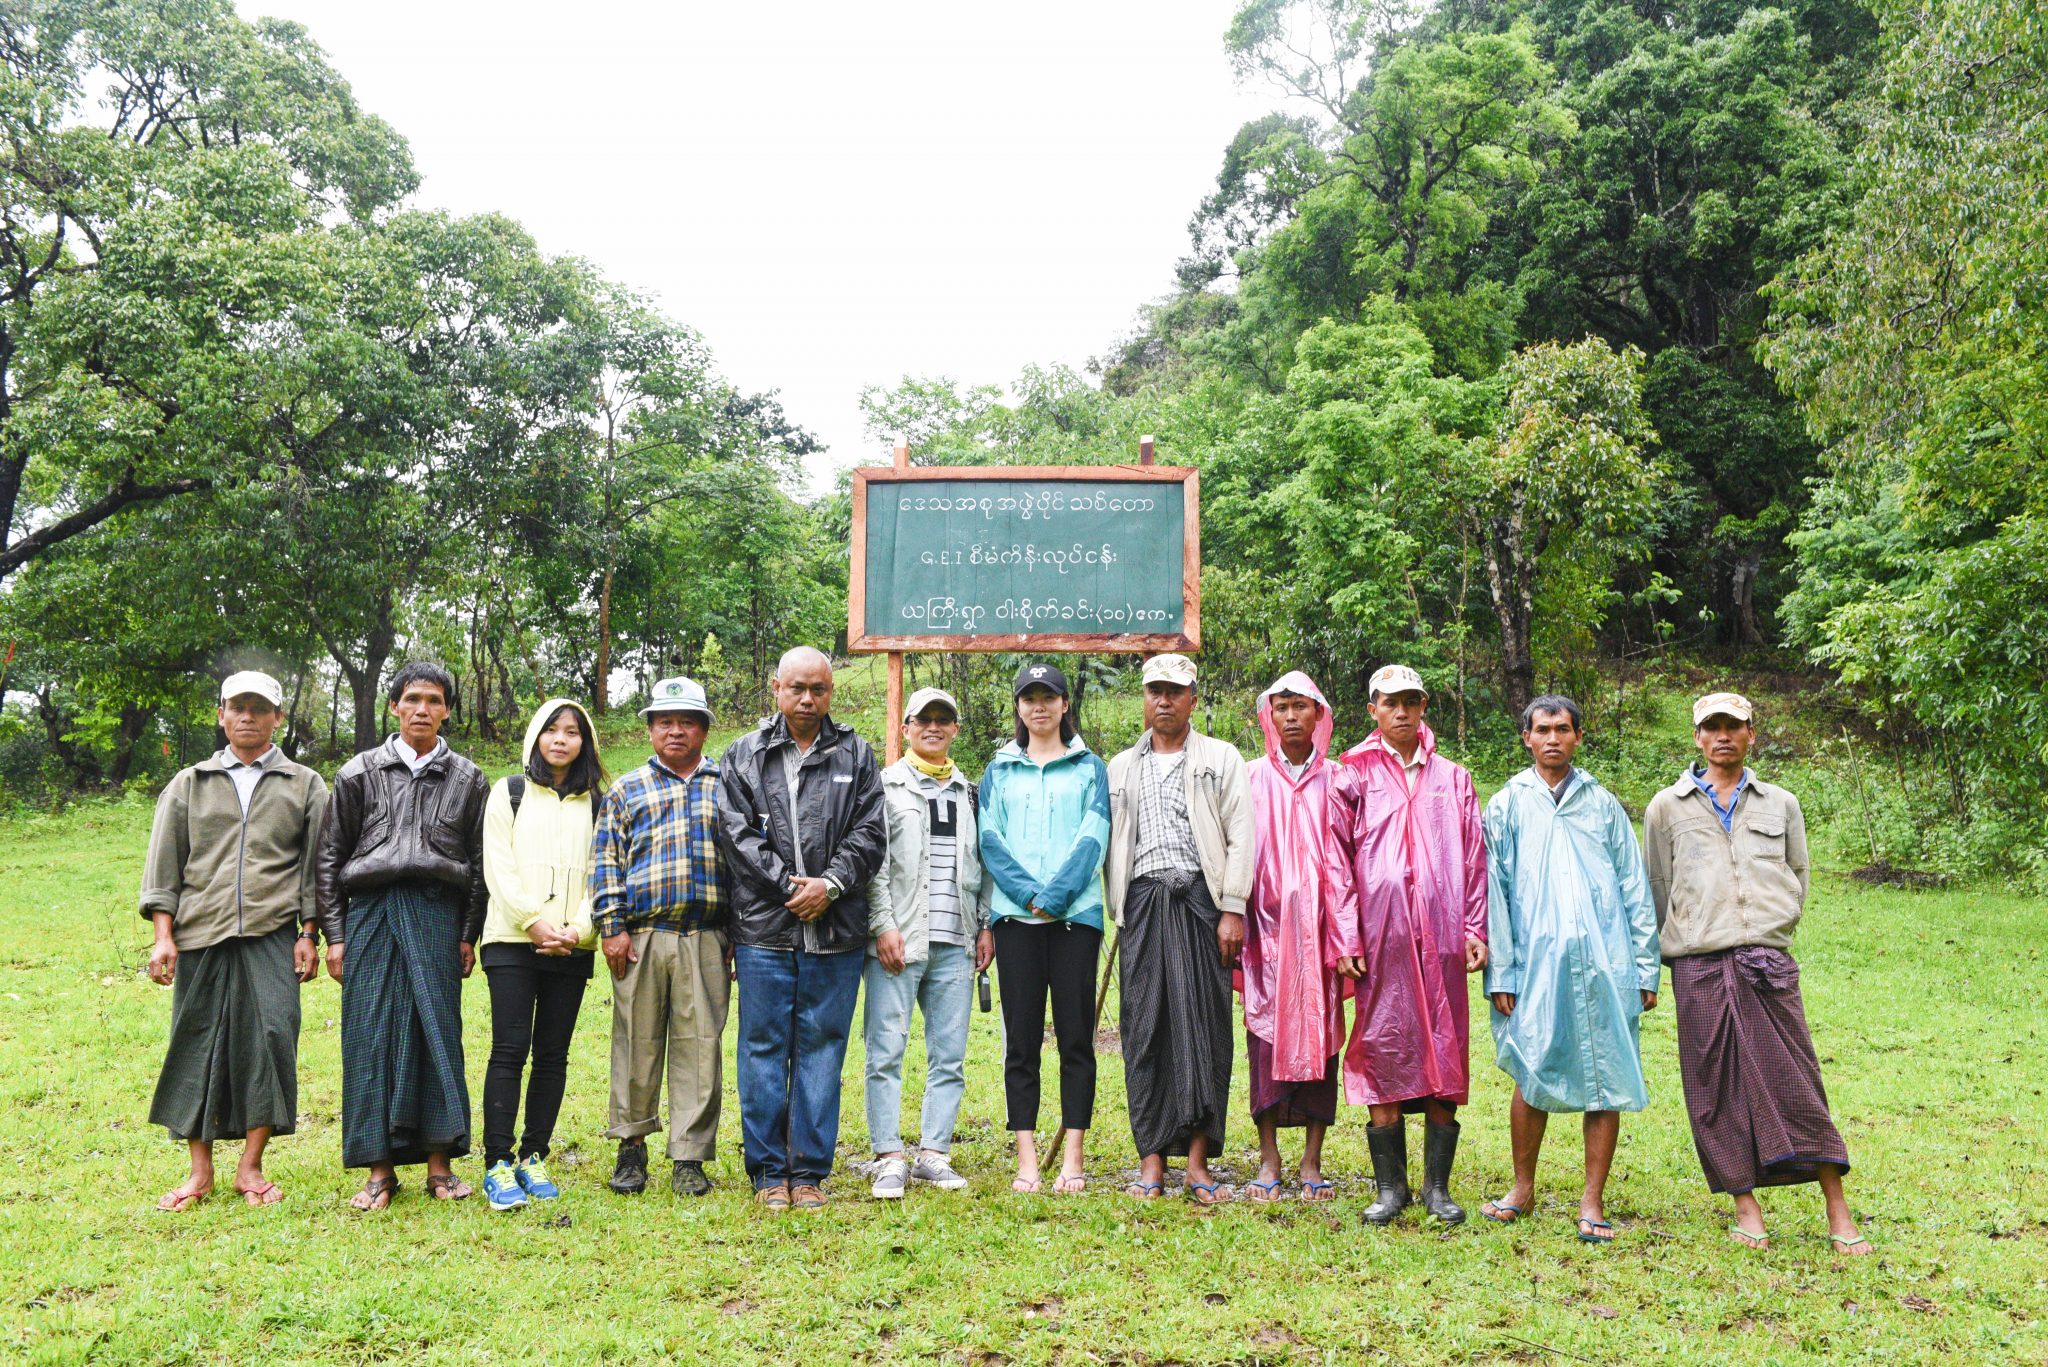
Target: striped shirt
x=942 y=898
x=654 y=858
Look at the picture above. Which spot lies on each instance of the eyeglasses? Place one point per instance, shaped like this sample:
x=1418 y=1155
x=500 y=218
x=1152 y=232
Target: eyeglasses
x=929 y=720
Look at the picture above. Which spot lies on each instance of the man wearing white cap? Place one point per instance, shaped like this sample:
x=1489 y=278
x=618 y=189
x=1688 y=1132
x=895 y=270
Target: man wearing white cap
x=228 y=885
x=659 y=884
x=1407 y=821
x=928 y=914
x=1726 y=854
x=1179 y=871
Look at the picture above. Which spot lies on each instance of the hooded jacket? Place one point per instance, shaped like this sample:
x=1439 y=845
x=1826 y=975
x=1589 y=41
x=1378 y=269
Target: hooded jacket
x=845 y=835
x=537 y=862
x=1418 y=862
x=899 y=893
x=1044 y=829
x=1302 y=915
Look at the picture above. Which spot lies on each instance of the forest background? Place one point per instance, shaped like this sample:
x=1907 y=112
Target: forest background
x=1580 y=344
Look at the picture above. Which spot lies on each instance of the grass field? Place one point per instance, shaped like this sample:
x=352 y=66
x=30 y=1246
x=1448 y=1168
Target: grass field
x=1926 y=1009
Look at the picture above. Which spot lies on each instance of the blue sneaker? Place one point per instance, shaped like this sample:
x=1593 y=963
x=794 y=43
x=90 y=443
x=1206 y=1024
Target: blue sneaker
x=502 y=1188
x=533 y=1176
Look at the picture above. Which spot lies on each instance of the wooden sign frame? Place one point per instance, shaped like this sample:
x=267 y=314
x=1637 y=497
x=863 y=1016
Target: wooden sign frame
x=860 y=641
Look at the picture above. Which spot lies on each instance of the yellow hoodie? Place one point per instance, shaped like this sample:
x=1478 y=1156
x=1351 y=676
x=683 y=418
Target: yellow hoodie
x=537 y=865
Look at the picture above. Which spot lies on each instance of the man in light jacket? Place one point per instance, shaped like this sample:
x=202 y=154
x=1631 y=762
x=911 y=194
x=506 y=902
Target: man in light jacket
x=928 y=913
x=1179 y=871
x=229 y=889
x=1726 y=854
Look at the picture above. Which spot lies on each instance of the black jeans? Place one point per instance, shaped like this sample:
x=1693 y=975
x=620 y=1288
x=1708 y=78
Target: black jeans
x=533 y=1011
x=1032 y=963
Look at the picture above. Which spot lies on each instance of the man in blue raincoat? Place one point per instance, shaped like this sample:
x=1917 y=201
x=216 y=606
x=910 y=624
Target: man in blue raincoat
x=1572 y=933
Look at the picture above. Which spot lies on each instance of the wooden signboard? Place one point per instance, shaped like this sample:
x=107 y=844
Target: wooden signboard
x=1026 y=558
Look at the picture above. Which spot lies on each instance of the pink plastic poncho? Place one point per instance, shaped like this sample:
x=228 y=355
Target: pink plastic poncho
x=1419 y=868
x=1301 y=916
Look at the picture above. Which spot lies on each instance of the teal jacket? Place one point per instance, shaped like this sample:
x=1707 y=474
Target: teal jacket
x=1043 y=833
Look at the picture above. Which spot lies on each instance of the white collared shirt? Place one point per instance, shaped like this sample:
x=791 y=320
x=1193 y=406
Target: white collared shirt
x=246 y=775
x=414 y=761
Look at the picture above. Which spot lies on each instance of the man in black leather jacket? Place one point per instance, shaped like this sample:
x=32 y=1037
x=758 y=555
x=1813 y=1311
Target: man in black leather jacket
x=800 y=820
x=398 y=879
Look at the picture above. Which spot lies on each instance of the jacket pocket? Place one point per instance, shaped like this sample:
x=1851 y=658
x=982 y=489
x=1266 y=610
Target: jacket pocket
x=1766 y=838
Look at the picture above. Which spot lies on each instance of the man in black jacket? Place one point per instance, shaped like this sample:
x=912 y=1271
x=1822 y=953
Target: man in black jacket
x=399 y=879
x=800 y=819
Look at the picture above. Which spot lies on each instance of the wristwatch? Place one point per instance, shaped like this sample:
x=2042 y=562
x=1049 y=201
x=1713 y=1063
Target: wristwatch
x=311 y=934
x=831 y=891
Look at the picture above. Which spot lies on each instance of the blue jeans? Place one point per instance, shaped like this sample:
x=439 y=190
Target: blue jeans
x=942 y=986
x=796 y=1009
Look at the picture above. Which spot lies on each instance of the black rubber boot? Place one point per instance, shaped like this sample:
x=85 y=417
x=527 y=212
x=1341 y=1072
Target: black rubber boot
x=1439 y=1147
x=1389 y=1147
x=629 y=1174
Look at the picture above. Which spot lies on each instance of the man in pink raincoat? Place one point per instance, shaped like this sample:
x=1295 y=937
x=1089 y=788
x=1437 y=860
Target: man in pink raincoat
x=1300 y=935
x=1407 y=820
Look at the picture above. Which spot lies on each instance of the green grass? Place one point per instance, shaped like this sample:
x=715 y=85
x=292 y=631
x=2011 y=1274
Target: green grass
x=1926 y=1012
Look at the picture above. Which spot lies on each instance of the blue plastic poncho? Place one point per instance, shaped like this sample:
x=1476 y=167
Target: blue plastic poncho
x=1572 y=934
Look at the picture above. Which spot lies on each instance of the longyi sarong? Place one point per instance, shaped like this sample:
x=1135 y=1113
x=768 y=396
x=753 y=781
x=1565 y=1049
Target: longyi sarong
x=1174 y=1016
x=233 y=1061
x=1752 y=1084
x=403 y=1094
x=1288 y=1104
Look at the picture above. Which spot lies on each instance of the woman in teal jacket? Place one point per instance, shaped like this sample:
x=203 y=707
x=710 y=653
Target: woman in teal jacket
x=1044 y=827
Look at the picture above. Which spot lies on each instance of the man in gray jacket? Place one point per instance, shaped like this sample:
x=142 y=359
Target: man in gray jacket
x=928 y=913
x=1727 y=862
x=1179 y=871
x=228 y=886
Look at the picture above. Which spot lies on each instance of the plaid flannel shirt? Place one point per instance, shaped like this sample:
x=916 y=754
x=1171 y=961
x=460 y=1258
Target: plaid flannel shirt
x=654 y=858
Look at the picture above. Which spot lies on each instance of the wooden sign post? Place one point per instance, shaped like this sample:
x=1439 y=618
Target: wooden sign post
x=892 y=726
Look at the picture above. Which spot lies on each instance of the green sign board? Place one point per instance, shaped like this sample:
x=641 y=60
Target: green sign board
x=1035 y=558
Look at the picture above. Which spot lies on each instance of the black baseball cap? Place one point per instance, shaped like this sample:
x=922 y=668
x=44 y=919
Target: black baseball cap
x=1044 y=675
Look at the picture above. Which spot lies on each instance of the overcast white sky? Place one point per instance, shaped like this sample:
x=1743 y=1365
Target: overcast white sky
x=834 y=194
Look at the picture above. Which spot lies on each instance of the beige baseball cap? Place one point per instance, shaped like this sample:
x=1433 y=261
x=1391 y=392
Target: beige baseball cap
x=1723 y=705
x=252 y=681
x=925 y=697
x=1173 y=669
x=1396 y=679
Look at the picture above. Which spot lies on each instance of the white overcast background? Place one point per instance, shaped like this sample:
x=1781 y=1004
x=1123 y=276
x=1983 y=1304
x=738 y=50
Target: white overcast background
x=835 y=195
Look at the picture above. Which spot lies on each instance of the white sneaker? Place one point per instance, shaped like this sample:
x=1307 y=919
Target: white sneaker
x=935 y=1169
x=892 y=1175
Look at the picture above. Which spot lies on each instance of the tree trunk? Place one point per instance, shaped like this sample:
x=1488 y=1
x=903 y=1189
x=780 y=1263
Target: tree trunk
x=134 y=721
x=1748 y=568
x=1510 y=579
x=363 y=679
x=601 y=686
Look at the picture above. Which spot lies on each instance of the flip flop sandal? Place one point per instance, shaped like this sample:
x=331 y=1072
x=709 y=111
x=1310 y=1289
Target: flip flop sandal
x=455 y=1188
x=385 y=1187
x=1514 y=1213
x=1071 y=1186
x=1024 y=1186
x=1195 y=1190
x=1842 y=1246
x=1263 y=1193
x=1145 y=1191
x=1737 y=1234
x=1587 y=1234
x=1318 y=1191
x=176 y=1202
x=269 y=1194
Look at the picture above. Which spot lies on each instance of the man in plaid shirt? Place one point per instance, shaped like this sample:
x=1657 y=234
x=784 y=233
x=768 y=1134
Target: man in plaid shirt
x=661 y=900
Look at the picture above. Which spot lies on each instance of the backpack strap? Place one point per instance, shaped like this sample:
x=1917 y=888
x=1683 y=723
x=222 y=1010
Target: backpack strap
x=515 y=788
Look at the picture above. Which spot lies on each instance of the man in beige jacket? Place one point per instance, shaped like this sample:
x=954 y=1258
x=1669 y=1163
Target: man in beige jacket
x=1179 y=871
x=1726 y=857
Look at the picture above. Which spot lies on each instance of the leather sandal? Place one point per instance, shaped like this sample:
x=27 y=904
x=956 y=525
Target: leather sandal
x=375 y=1195
x=446 y=1186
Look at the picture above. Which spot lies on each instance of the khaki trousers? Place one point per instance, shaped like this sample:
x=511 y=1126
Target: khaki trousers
x=670 y=1005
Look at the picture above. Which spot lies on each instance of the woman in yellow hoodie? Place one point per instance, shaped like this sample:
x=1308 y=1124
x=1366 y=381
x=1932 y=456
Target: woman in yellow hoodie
x=537 y=941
